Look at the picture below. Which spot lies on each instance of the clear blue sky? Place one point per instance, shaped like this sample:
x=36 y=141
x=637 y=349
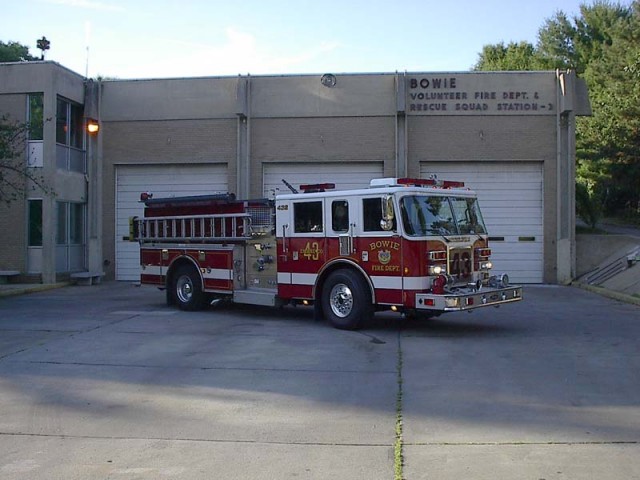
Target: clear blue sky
x=167 y=38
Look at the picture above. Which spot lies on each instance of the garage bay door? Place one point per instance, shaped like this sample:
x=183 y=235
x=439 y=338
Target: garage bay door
x=162 y=181
x=344 y=175
x=510 y=197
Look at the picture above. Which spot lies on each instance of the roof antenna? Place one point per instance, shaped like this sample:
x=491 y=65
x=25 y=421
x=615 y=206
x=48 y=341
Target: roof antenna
x=289 y=186
x=87 y=38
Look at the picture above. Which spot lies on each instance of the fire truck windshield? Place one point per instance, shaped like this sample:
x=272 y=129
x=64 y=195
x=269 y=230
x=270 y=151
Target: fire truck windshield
x=438 y=215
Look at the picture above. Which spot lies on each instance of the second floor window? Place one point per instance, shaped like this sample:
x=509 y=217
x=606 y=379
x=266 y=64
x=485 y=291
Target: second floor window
x=70 y=136
x=69 y=121
x=36 y=116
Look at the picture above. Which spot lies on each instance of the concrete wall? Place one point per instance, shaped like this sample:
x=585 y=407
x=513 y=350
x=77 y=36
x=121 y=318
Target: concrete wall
x=483 y=138
x=303 y=96
x=12 y=216
x=18 y=80
x=593 y=250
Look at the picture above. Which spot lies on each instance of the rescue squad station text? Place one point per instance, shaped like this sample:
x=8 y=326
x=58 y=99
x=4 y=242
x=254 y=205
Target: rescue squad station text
x=443 y=95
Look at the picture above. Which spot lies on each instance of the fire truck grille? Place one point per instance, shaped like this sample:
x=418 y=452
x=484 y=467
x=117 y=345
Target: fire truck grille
x=461 y=263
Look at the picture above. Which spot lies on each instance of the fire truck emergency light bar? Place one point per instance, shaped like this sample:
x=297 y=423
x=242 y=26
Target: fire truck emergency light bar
x=317 y=187
x=415 y=182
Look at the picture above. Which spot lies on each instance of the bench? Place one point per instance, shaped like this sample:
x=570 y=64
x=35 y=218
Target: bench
x=5 y=275
x=87 y=278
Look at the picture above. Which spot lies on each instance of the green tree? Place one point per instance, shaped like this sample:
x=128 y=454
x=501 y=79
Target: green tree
x=609 y=141
x=514 y=56
x=580 y=41
x=602 y=44
x=15 y=177
x=15 y=52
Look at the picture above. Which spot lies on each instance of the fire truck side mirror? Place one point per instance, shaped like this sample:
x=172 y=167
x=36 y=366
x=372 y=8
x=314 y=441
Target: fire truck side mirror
x=387 y=213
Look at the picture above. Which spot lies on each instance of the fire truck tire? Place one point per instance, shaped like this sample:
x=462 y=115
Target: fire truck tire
x=187 y=289
x=346 y=300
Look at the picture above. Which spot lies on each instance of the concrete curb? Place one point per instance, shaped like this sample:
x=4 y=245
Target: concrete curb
x=12 y=290
x=622 y=297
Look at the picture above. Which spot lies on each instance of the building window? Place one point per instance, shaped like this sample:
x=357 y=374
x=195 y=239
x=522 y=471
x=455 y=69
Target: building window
x=62 y=122
x=35 y=223
x=36 y=116
x=35 y=134
x=76 y=223
x=62 y=224
x=70 y=154
x=70 y=237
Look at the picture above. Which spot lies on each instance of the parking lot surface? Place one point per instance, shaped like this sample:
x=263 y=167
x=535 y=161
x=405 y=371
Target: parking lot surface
x=107 y=382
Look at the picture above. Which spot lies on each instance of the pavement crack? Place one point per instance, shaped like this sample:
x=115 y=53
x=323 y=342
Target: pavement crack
x=187 y=367
x=194 y=440
x=399 y=440
x=506 y=444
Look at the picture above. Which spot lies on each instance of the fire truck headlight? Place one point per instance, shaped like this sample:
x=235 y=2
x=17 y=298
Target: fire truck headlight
x=486 y=265
x=499 y=281
x=436 y=270
x=452 y=302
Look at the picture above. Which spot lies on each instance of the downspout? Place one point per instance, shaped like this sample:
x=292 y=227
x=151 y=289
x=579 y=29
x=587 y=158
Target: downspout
x=247 y=169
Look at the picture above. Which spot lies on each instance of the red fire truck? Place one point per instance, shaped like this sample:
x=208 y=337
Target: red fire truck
x=415 y=246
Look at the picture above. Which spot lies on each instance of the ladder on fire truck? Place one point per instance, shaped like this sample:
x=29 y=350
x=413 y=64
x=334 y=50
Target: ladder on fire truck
x=203 y=228
x=208 y=228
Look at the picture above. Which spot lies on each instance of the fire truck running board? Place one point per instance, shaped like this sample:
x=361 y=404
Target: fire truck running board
x=256 y=296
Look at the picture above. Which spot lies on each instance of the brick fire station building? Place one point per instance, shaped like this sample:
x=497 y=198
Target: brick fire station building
x=507 y=135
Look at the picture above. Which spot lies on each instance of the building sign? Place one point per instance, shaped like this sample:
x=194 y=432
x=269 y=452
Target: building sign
x=526 y=93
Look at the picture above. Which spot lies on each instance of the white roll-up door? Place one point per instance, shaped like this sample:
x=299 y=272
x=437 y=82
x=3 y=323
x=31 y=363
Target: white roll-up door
x=344 y=175
x=511 y=198
x=162 y=181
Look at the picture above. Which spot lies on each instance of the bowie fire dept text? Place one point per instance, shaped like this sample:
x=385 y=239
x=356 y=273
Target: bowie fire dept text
x=415 y=246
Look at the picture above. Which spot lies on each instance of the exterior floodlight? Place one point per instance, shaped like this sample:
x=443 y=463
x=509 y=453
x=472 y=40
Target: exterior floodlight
x=93 y=127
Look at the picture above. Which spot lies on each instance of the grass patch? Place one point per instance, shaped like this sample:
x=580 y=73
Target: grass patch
x=583 y=229
x=631 y=220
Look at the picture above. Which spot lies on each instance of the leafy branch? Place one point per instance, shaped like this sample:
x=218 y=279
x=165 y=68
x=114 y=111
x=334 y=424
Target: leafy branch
x=16 y=178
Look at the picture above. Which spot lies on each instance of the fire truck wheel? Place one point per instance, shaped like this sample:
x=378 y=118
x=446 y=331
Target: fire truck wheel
x=187 y=288
x=346 y=301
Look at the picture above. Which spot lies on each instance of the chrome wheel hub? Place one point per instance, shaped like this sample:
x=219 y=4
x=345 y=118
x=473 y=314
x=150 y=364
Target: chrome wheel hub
x=341 y=300
x=184 y=289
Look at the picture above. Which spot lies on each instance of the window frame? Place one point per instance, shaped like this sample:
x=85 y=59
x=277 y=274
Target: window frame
x=71 y=138
x=307 y=229
x=68 y=226
x=30 y=223
x=334 y=204
x=35 y=116
x=368 y=217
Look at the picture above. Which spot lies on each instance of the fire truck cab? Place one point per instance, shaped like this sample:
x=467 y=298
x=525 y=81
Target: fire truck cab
x=415 y=246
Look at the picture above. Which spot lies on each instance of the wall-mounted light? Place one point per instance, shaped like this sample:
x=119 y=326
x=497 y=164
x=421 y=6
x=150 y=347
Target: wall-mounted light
x=328 y=80
x=93 y=126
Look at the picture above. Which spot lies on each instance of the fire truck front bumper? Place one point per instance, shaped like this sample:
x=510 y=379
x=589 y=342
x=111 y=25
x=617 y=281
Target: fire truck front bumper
x=468 y=299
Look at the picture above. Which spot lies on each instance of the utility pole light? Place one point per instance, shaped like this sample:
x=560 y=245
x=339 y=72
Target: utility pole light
x=43 y=44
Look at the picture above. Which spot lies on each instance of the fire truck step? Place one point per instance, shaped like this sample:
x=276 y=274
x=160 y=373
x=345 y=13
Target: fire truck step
x=256 y=296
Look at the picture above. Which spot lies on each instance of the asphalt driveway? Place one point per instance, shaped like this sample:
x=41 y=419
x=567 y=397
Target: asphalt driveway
x=107 y=382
